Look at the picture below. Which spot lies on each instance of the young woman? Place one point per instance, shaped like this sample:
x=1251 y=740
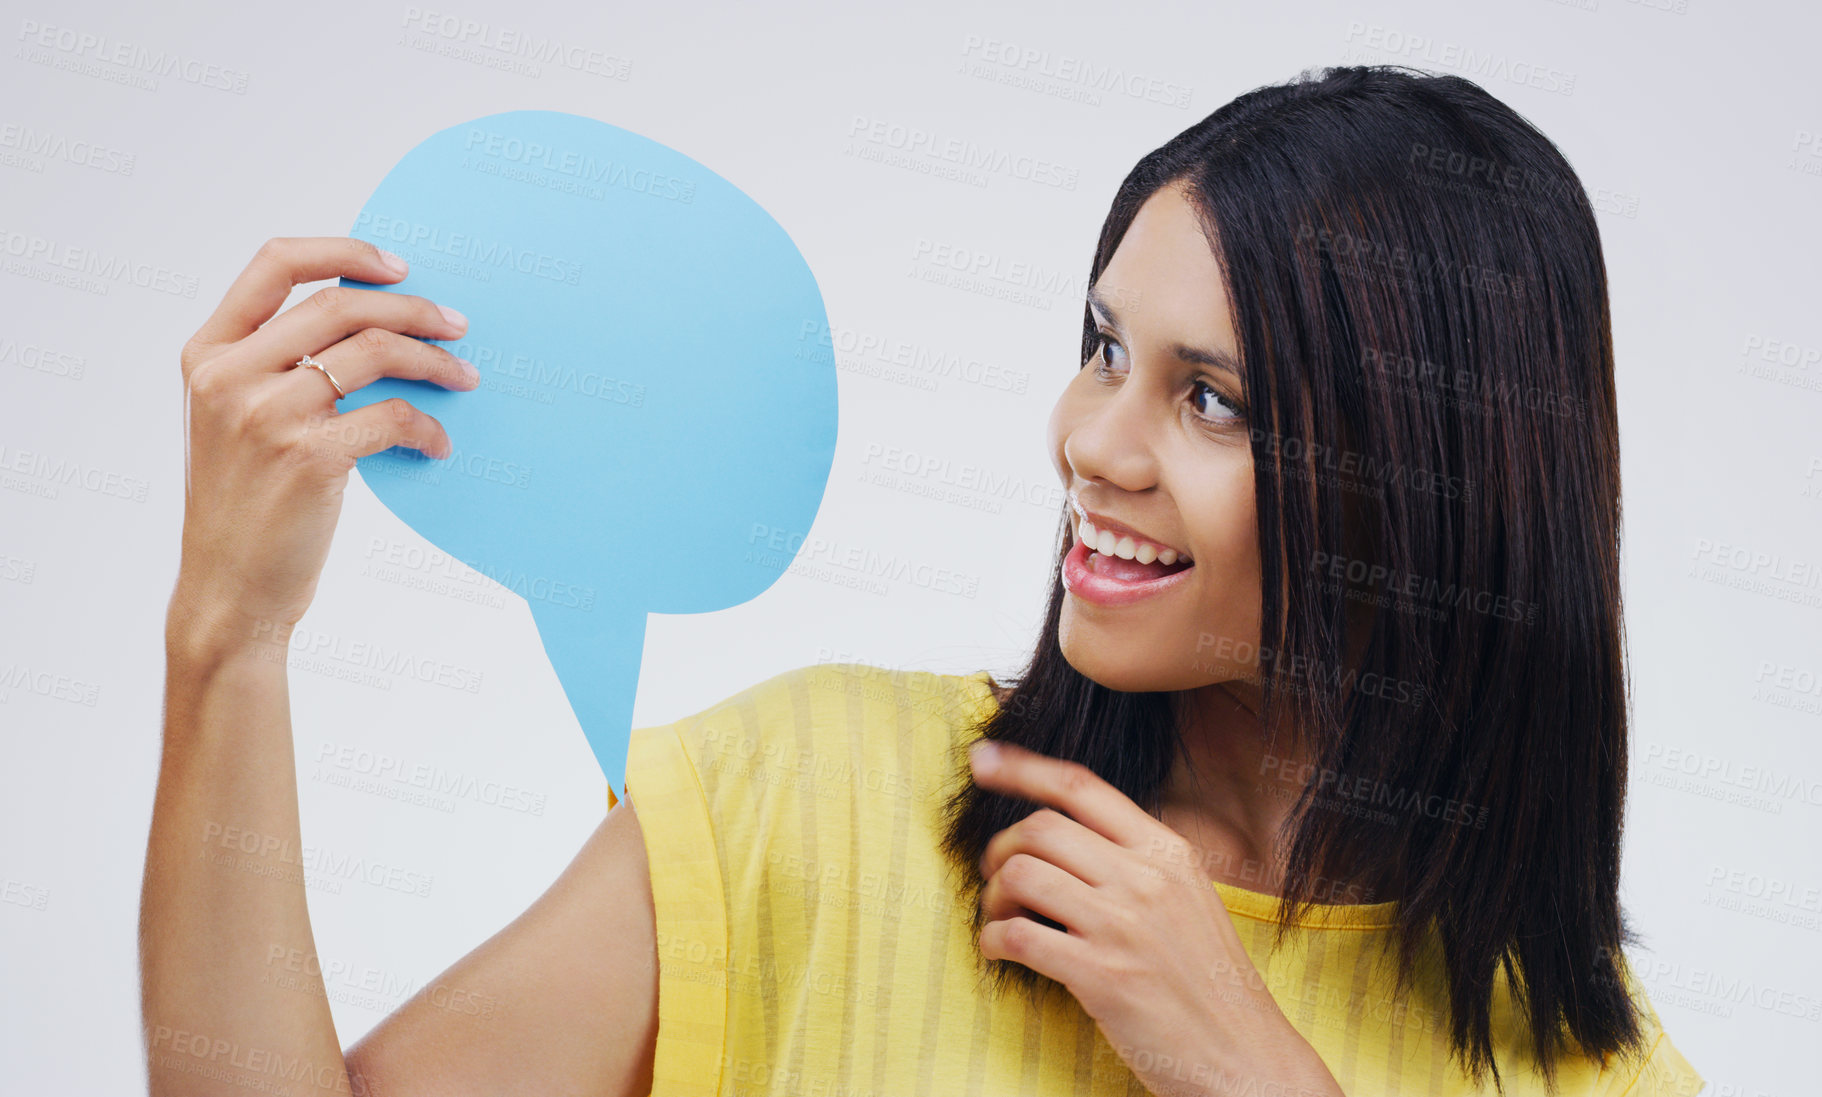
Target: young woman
x=1313 y=785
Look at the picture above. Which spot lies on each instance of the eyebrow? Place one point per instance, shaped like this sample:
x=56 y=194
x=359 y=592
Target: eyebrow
x=1213 y=359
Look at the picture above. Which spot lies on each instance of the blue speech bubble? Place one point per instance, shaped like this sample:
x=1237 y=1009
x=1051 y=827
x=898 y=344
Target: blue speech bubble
x=657 y=411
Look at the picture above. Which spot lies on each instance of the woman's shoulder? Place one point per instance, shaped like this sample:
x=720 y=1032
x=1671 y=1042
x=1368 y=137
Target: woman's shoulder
x=845 y=693
x=832 y=724
x=798 y=779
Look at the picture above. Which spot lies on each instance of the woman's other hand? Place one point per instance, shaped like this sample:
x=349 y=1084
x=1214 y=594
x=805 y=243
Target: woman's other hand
x=1148 y=950
x=266 y=455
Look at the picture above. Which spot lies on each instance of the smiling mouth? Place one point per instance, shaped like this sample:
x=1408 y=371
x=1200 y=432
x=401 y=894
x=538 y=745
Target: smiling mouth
x=1123 y=542
x=1132 y=571
x=1112 y=581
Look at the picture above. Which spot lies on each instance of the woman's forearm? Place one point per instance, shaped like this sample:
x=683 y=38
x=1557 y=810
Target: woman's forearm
x=224 y=928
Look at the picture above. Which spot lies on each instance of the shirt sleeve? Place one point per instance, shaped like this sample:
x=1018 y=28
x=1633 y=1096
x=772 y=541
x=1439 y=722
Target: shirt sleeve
x=752 y=813
x=1665 y=1074
x=689 y=909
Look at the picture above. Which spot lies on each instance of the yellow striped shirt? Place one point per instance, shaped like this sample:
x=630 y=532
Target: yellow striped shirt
x=810 y=941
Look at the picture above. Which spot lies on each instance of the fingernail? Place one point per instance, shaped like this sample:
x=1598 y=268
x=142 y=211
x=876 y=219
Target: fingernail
x=983 y=753
x=398 y=265
x=454 y=317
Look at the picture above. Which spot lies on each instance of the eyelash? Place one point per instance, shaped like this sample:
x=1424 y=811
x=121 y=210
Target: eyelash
x=1102 y=340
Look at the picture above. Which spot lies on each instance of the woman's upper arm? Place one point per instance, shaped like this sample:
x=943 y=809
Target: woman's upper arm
x=563 y=1000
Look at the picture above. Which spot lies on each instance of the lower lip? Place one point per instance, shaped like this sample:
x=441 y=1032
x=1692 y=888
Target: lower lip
x=1080 y=581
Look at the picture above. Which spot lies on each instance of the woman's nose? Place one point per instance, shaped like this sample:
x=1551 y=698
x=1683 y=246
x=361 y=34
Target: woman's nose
x=1115 y=440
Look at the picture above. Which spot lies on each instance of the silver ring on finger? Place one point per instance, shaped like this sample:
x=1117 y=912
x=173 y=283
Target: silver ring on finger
x=312 y=363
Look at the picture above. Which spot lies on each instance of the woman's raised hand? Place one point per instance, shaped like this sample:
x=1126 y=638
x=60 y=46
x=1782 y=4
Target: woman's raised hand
x=266 y=462
x=266 y=455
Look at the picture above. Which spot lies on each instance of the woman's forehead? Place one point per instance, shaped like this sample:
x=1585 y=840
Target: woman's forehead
x=1164 y=279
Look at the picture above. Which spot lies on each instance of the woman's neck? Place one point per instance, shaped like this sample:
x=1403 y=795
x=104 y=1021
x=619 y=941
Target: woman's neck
x=1231 y=791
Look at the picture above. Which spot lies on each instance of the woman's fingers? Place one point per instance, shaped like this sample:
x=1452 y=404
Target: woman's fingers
x=1049 y=834
x=1027 y=885
x=395 y=422
x=282 y=263
x=372 y=353
x=1070 y=787
x=330 y=315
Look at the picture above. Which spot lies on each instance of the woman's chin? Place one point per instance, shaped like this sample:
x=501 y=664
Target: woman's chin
x=1124 y=667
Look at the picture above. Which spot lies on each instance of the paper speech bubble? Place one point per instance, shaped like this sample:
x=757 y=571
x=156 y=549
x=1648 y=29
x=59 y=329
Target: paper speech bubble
x=657 y=411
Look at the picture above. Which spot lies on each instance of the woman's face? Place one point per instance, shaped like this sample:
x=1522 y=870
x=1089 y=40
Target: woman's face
x=1149 y=436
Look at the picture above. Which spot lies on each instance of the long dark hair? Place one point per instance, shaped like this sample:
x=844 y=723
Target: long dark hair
x=1420 y=298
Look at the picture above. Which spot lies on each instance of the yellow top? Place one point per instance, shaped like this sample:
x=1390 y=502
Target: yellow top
x=810 y=942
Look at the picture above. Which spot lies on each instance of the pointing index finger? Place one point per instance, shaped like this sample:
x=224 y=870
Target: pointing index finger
x=1069 y=787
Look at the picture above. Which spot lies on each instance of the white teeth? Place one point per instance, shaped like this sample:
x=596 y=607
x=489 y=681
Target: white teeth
x=1107 y=543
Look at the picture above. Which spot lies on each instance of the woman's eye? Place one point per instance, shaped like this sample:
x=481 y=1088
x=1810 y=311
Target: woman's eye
x=1205 y=391
x=1211 y=404
x=1102 y=345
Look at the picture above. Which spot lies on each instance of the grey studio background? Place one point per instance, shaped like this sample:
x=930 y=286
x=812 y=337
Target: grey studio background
x=163 y=144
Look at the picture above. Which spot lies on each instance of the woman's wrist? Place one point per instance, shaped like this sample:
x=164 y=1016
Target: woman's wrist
x=205 y=629
x=1272 y=1050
